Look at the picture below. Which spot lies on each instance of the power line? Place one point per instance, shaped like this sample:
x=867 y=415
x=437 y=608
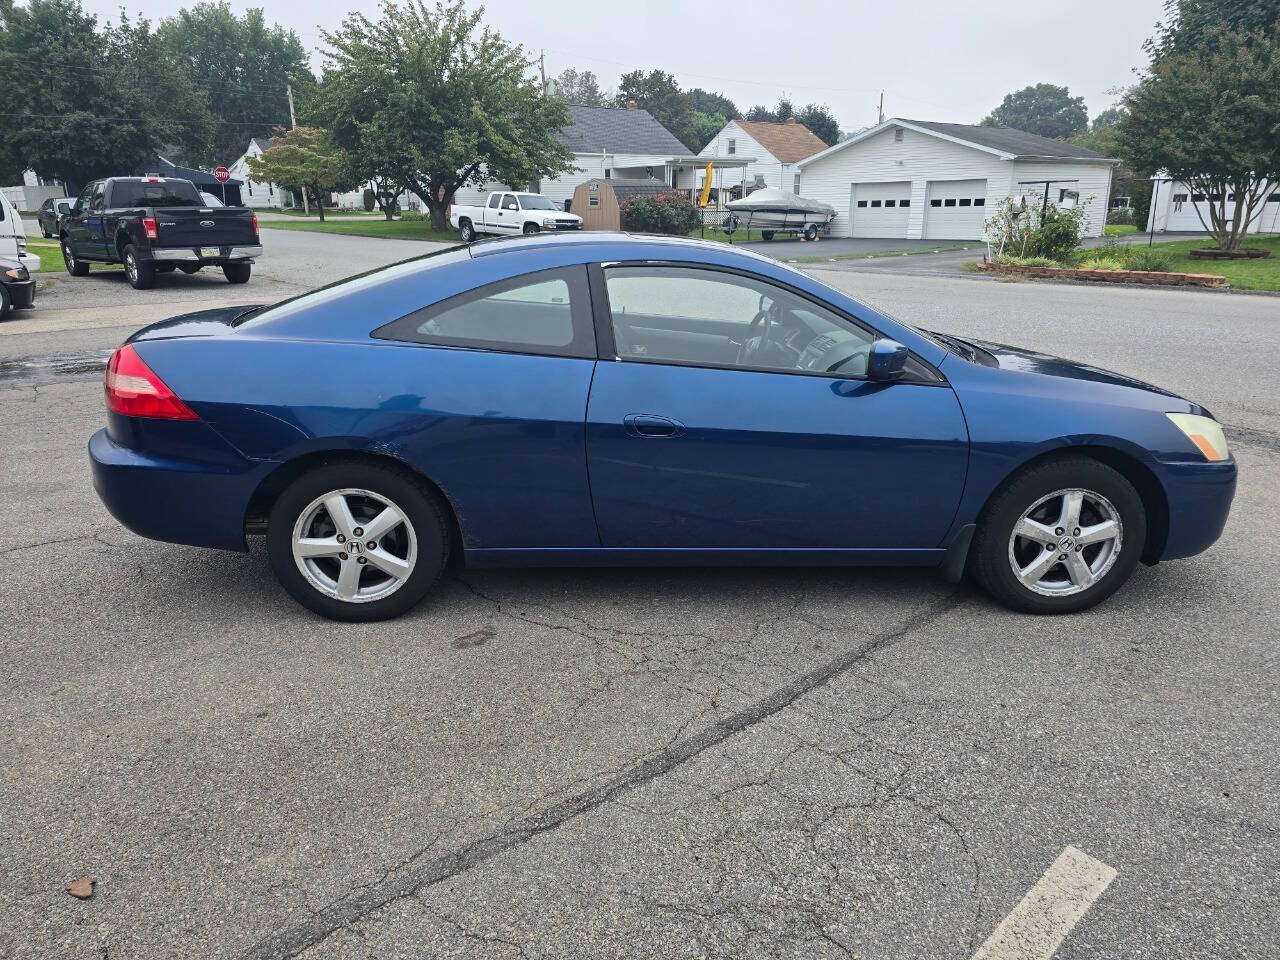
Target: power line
x=94 y=116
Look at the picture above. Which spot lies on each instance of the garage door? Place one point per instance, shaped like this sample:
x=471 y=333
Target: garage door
x=1182 y=210
x=955 y=209
x=880 y=209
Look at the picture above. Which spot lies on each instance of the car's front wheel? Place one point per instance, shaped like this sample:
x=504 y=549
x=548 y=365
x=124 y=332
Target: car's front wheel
x=466 y=232
x=1060 y=537
x=357 y=541
x=6 y=302
x=77 y=268
x=531 y=228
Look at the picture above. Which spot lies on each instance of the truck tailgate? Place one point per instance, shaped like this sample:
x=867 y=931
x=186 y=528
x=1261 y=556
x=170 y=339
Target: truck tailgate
x=200 y=227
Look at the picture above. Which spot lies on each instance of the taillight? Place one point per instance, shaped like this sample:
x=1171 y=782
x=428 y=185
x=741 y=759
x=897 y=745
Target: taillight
x=134 y=390
x=255 y=226
x=149 y=227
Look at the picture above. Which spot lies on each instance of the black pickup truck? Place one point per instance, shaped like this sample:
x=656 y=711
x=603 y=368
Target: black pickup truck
x=157 y=224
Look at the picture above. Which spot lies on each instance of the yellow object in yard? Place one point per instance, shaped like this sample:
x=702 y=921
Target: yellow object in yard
x=706 y=186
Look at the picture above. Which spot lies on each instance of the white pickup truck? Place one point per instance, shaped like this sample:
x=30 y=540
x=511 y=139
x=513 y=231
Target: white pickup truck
x=508 y=214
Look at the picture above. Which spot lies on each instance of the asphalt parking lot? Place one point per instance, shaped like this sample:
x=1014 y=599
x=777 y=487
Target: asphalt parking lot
x=673 y=763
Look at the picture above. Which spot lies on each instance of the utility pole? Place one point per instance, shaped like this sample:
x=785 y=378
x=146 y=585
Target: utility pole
x=293 y=124
x=881 y=120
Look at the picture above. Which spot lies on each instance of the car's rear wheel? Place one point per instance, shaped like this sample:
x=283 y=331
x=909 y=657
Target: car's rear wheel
x=766 y=235
x=357 y=541
x=1060 y=537
x=77 y=268
x=141 y=273
x=237 y=272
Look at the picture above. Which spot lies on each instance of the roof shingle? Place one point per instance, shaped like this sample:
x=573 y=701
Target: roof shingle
x=788 y=142
x=619 y=130
x=1017 y=142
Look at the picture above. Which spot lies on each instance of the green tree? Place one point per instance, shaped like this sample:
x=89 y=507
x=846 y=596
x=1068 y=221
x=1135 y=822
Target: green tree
x=1044 y=109
x=714 y=104
x=658 y=92
x=579 y=87
x=450 y=102
x=1188 y=22
x=820 y=122
x=761 y=114
x=1209 y=117
x=94 y=101
x=242 y=67
x=1107 y=118
x=305 y=159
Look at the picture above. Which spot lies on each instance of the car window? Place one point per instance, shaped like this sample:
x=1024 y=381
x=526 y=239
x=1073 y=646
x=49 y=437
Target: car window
x=711 y=317
x=509 y=203
x=532 y=201
x=547 y=312
x=167 y=193
x=98 y=200
x=494 y=200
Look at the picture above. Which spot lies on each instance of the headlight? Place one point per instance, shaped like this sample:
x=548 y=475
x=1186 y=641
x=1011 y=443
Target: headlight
x=17 y=273
x=549 y=222
x=1205 y=432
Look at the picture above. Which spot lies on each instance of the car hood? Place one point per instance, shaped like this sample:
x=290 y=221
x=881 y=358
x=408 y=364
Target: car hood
x=1030 y=361
x=202 y=323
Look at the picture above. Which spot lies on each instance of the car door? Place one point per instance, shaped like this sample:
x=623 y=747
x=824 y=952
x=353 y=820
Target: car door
x=738 y=416
x=509 y=214
x=77 y=230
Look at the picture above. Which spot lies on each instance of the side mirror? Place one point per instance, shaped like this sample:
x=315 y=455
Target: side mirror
x=887 y=360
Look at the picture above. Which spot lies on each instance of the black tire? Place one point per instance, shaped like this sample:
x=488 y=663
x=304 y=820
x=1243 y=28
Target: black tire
x=766 y=234
x=811 y=232
x=77 y=268
x=237 y=272
x=6 y=302
x=466 y=232
x=189 y=268
x=412 y=497
x=46 y=234
x=531 y=228
x=990 y=561
x=140 y=273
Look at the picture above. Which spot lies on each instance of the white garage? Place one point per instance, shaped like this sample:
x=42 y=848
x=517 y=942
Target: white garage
x=916 y=179
x=955 y=209
x=880 y=209
x=1174 y=207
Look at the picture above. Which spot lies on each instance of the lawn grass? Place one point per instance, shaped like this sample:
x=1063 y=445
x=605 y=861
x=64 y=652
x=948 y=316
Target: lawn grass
x=1120 y=229
x=368 y=227
x=1261 y=274
x=51 y=261
x=295 y=212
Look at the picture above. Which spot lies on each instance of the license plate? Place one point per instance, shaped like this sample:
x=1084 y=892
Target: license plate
x=210 y=252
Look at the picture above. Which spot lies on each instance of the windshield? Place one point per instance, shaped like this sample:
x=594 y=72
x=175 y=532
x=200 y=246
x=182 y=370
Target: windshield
x=532 y=201
x=145 y=193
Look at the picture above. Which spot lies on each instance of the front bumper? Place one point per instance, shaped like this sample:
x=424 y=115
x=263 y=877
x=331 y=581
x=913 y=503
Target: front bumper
x=1199 y=496
x=179 y=501
x=22 y=293
x=192 y=254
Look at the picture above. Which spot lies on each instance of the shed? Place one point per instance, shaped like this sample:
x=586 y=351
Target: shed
x=598 y=201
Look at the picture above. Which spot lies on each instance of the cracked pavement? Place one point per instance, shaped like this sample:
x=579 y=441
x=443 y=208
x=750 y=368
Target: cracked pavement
x=635 y=763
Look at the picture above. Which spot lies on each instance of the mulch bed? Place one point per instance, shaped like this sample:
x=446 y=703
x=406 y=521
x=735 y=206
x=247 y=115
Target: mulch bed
x=1109 y=276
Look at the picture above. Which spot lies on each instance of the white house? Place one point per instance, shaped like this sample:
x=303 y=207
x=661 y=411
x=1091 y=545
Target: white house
x=1174 y=208
x=257 y=193
x=940 y=181
x=772 y=151
x=624 y=143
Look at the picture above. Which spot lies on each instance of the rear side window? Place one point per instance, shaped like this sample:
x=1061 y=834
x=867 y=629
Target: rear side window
x=547 y=312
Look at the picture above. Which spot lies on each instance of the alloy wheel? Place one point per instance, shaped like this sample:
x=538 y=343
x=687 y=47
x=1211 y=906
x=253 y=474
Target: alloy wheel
x=1065 y=542
x=131 y=267
x=354 y=545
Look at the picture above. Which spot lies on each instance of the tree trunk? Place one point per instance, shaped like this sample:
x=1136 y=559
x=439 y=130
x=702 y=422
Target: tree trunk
x=320 y=205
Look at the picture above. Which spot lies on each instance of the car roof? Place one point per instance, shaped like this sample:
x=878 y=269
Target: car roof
x=615 y=245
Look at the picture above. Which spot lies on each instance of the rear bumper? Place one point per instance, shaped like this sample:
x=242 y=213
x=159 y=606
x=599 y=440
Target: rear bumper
x=22 y=294
x=178 y=501
x=192 y=254
x=1200 y=496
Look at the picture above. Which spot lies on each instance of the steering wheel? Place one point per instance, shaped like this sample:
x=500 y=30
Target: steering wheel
x=760 y=330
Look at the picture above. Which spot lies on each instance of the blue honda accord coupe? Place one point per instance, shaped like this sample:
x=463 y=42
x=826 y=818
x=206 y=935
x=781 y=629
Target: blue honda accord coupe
x=614 y=399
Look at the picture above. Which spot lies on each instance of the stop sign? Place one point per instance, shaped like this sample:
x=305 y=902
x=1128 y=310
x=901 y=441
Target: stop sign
x=222 y=174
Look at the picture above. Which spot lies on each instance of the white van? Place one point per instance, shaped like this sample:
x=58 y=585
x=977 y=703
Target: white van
x=13 y=238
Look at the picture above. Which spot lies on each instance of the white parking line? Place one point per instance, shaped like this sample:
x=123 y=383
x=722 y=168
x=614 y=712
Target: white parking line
x=1036 y=927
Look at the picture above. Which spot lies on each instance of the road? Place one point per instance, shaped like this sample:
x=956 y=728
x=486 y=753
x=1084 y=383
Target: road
x=683 y=764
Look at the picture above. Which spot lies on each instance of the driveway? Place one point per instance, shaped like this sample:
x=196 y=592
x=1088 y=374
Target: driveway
x=634 y=763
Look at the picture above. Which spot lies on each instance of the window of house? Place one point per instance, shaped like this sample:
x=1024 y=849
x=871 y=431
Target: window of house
x=904 y=203
x=965 y=201
x=711 y=318
x=949 y=202
x=1274 y=198
x=1213 y=197
x=249 y=184
x=891 y=203
x=897 y=134
x=733 y=146
x=547 y=312
x=875 y=203
x=935 y=203
x=1069 y=196
x=862 y=203
x=795 y=187
x=593 y=200
x=979 y=201
x=1198 y=197
x=608 y=174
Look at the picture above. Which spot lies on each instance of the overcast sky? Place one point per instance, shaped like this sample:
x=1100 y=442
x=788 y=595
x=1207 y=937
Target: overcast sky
x=935 y=59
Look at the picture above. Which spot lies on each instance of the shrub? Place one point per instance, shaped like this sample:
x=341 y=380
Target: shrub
x=369 y=201
x=1013 y=261
x=1057 y=236
x=1025 y=231
x=671 y=213
x=1119 y=256
x=1154 y=260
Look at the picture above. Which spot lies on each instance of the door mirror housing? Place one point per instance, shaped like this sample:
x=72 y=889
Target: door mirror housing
x=887 y=360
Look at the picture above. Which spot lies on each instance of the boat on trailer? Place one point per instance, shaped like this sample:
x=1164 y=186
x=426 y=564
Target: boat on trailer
x=776 y=211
